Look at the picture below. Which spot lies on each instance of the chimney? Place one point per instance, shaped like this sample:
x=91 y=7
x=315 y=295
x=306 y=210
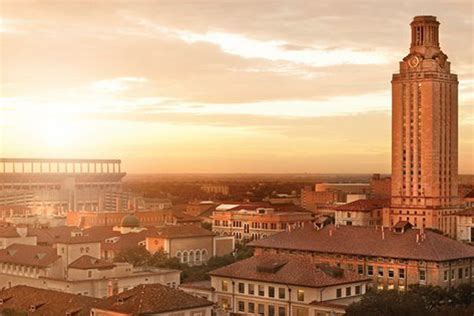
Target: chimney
x=383 y=234
x=330 y=232
x=418 y=238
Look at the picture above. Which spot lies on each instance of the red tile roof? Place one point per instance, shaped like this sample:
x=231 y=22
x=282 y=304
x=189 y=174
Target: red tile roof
x=8 y=232
x=287 y=269
x=368 y=241
x=365 y=205
x=47 y=302
x=87 y=262
x=51 y=235
x=37 y=256
x=153 y=299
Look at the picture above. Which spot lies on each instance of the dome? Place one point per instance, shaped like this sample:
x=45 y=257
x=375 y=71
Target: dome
x=130 y=221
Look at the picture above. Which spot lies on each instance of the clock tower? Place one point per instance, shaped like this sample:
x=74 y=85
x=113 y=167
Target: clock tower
x=424 y=134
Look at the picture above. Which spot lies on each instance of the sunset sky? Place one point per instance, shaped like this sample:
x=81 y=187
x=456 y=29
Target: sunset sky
x=217 y=86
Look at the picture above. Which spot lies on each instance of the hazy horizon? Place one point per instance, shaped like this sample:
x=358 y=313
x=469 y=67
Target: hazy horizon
x=217 y=87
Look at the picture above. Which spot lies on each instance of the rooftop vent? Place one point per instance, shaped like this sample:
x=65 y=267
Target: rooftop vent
x=334 y=272
x=3 y=300
x=270 y=266
x=40 y=255
x=34 y=307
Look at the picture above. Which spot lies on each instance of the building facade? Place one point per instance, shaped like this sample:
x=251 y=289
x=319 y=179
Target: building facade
x=393 y=258
x=277 y=284
x=425 y=134
x=252 y=221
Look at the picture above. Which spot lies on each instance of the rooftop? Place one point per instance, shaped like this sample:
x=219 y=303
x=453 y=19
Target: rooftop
x=37 y=256
x=153 y=299
x=369 y=241
x=87 y=262
x=45 y=302
x=364 y=205
x=287 y=269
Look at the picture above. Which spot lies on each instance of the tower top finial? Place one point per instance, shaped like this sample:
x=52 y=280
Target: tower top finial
x=424 y=31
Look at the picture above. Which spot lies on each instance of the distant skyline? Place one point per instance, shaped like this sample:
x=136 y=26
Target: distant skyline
x=217 y=86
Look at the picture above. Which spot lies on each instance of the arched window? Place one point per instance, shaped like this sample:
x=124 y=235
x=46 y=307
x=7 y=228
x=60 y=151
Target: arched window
x=185 y=257
x=203 y=254
x=178 y=255
x=198 y=255
x=191 y=256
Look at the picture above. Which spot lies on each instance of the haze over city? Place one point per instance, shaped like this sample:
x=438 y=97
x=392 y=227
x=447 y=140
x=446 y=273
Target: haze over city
x=217 y=86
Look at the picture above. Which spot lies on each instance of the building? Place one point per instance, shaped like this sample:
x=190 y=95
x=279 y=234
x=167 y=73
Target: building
x=157 y=203
x=154 y=299
x=425 y=134
x=215 y=189
x=249 y=221
x=26 y=300
x=58 y=185
x=366 y=212
x=278 y=284
x=465 y=225
x=74 y=266
x=380 y=187
x=393 y=258
x=327 y=194
x=151 y=299
x=86 y=219
x=10 y=235
x=192 y=245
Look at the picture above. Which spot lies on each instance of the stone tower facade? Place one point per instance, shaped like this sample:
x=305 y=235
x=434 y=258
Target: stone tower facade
x=424 y=134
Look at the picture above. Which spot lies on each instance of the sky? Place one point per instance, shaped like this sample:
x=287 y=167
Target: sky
x=217 y=86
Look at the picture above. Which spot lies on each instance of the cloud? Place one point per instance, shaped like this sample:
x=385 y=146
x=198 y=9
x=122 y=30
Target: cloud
x=272 y=49
x=118 y=84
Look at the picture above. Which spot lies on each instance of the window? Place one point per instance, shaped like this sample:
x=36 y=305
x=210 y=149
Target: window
x=357 y=289
x=251 y=289
x=89 y=274
x=401 y=273
x=370 y=270
x=241 y=287
x=422 y=275
x=460 y=273
x=281 y=293
x=390 y=273
x=241 y=306
x=348 y=291
x=261 y=290
x=445 y=275
x=224 y=285
x=271 y=310
x=261 y=309
x=271 y=291
x=251 y=308
x=281 y=311
x=380 y=271
x=339 y=293
x=453 y=276
x=466 y=273
x=360 y=269
x=300 y=295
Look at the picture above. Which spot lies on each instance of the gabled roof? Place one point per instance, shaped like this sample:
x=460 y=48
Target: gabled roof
x=153 y=299
x=369 y=241
x=51 y=235
x=37 y=256
x=287 y=269
x=47 y=302
x=364 y=205
x=86 y=262
x=8 y=232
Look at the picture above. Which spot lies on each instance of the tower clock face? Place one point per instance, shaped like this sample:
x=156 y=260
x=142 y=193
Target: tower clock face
x=414 y=61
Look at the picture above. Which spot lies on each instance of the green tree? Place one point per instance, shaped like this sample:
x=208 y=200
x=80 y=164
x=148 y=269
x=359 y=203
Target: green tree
x=138 y=256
